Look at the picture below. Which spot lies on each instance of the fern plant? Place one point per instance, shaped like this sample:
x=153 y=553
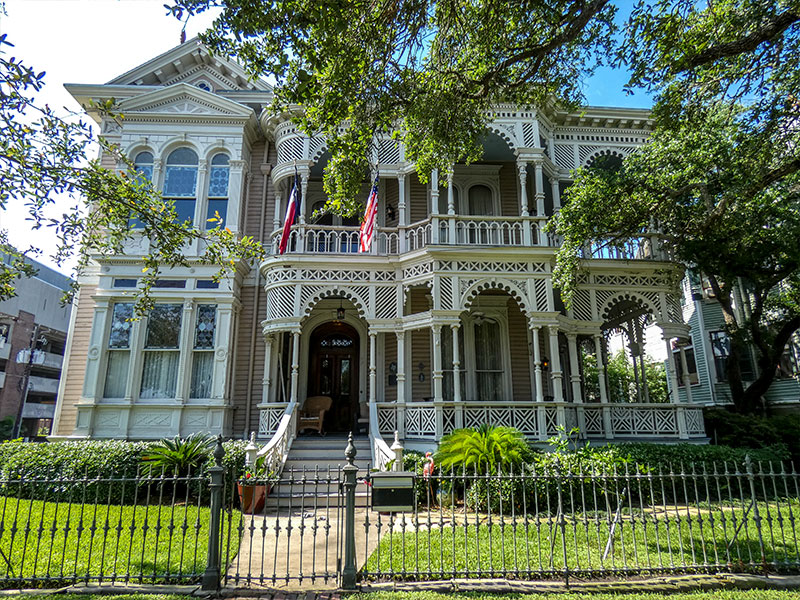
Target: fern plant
x=179 y=455
x=488 y=448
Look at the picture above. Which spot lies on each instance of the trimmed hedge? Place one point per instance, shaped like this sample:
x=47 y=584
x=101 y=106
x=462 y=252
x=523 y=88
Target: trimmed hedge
x=25 y=465
x=728 y=428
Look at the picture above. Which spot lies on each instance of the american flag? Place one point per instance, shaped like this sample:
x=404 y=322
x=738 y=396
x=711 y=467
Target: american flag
x=291 y=213
x=366 y=233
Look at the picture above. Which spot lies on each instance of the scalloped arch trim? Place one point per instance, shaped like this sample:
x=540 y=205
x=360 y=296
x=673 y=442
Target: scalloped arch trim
x=335 y=291
x=638 y=300
x=496 y=284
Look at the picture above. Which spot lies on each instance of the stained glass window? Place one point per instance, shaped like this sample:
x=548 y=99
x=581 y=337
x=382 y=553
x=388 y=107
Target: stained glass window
x=120 y=336
x=180 y=182
x=218 y=191
x=206 y=325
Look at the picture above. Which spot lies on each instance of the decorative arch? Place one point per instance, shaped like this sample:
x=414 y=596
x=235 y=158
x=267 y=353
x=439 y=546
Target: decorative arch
x=640 y=302
x=217 y=149
x=139 y=146
x=174 y=143
x=337 y=292
x=604 y=152
x=511 y=288
x=504 y=134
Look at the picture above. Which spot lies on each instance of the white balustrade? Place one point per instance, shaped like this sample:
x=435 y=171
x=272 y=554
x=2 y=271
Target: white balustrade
x=381 y=453
x=276 y=451
x=541 y=420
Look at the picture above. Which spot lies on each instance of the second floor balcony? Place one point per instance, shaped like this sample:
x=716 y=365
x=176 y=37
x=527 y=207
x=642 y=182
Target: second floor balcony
x=485 y=232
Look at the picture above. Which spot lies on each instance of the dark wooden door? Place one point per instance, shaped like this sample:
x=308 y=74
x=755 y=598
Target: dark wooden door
x=334 y=372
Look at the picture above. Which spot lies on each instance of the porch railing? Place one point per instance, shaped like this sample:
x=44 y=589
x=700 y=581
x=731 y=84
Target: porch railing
x=276 y=451
x=458 y=230
x=541 y=420
x=381 y=453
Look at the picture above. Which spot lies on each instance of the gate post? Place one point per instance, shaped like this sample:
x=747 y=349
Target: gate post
x=350 y=471
x=217 y=472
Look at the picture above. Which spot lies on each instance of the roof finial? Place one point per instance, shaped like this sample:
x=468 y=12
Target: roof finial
x=183 y=35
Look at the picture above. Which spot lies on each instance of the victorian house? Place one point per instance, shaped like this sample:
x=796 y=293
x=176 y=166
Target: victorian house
x=450 y=320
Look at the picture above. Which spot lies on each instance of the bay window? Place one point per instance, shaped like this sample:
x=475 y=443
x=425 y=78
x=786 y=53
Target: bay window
x=119 y=350
x=161 y=352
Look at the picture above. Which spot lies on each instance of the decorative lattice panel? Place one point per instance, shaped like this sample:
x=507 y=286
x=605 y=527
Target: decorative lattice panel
x=277 y=275
x=626 y=281
x=387 y=420
x=565 y=157
x=334 y=275
x=493 y=267
x=446 y=293
x=417 y=270
x=551 y=420
x=388 y=152
x=383 y=276
x=694 y=421
x=448 y=420
x=290 y=149
x=268 y=420
x=674 y=310
x=280 y=302
x=386 y=302
x=593 y=421
x=528 y=137
x=420 y=421
x=540 y=289
x=316 y=147
x=581 y=305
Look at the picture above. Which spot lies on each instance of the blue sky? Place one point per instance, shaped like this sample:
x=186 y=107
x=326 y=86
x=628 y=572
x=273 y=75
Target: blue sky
x=93 y=41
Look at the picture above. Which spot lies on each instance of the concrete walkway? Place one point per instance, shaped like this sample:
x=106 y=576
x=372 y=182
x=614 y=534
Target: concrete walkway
x=301 y=549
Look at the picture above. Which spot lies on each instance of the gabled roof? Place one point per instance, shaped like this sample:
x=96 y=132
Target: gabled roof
x=185 y=100
x=188 y=62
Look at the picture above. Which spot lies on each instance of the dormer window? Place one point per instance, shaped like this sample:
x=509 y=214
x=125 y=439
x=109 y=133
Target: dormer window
x=180 y=182
x=218 y=191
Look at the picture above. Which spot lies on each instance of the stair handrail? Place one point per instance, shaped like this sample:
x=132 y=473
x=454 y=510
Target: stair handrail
x=381 y=453
x=277 y=449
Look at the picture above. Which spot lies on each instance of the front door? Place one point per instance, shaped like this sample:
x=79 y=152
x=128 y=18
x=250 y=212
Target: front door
x=334 y=373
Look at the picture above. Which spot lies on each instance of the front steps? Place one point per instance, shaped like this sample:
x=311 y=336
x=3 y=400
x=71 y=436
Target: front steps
x=312 y=473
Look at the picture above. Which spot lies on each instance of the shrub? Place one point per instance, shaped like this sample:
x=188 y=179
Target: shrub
x=178 y=456
x=669 y=457
x=488 y=448
x=751 y=431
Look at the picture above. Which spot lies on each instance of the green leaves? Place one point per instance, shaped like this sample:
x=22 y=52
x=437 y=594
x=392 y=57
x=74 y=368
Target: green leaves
x=486 y=449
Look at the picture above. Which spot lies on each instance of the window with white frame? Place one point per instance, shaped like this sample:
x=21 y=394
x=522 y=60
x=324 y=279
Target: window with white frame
x=161 y=352
x=721 y=348
x=488 y=359
x=203 y=353
x=180 y=182
x=119 y=350
x=691 y=365
x=219 y=176
x=143 y=164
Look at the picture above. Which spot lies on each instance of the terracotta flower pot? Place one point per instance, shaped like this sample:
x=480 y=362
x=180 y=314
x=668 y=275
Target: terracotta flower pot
x=252 y=497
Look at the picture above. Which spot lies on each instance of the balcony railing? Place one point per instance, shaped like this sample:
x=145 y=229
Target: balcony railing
x=455 y=230
x=541 y=420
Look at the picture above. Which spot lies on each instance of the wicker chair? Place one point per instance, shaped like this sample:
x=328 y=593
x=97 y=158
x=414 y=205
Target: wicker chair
x=313 y=413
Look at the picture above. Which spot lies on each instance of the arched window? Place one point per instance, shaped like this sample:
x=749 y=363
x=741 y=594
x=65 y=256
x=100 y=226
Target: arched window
x=219 y=176
x=144 y=165
x=480 y=200
x=180 y=182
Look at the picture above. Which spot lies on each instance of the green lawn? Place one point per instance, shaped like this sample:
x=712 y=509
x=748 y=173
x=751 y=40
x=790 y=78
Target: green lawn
x=683 y=539
x=710 y=595
x=46 y=543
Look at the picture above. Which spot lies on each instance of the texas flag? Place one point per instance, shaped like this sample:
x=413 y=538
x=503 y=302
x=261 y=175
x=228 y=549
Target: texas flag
x=292 y=210
x=367 y=230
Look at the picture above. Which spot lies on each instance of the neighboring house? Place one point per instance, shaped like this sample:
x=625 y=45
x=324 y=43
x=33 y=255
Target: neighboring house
x=33 y=331
x=451 y=320
x=708 y=350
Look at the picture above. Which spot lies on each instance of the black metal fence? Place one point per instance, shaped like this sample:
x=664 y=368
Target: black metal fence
x=562 y=521
x=573 y=521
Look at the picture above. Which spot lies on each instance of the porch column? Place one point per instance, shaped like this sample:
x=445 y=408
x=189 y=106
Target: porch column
x=687 y=382
x=522 y=167
x=276 y=219
x=303 y=195
x=555 y=364
x=556 y=194
x=295 y=365
x=401 y=383
x=373 y=368
x=601 y=382
x=451 y=209
x=672 y=374
x=537 y=366
x=459 y=415
x=266 y=382
x=402 y=212
x=574 y=371
x=437 y=363
x=435 y=192
x=539 y=189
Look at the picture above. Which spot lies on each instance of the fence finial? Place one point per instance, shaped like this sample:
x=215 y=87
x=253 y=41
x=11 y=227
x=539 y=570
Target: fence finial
x=219 y=451
x=350 y=451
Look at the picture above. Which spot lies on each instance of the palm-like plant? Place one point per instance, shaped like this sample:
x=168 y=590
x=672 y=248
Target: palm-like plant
x=487 y=448
x=178 y=455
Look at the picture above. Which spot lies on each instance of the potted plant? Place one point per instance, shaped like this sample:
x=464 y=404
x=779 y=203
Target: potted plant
x=254 y=486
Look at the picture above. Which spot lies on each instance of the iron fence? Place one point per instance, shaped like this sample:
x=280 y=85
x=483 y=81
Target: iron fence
x=141 y=528
x=573 y=521
x=564 y=520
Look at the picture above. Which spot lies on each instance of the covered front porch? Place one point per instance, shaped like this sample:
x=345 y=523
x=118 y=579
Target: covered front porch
x=495 y=361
